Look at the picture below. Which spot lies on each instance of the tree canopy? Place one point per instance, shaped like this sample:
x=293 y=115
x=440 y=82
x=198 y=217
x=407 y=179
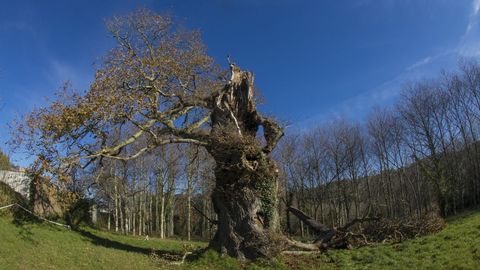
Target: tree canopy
x=153 y=85
x=158 y=86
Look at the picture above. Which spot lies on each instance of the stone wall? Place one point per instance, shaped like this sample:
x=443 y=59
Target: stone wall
x=18 y=181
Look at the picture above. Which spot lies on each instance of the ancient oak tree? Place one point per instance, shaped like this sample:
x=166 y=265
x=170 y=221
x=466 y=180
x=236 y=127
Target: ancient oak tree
x=158 y=86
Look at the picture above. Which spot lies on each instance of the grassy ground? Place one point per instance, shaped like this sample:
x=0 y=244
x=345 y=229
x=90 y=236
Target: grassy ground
x=41 y=246
x=8 y=196
x=456 y=247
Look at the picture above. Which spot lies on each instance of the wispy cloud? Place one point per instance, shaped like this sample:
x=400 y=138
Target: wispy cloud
x=469 y=45
x=476 y=7
x=420 y=63
x=59 y=72
x=357 y=107
x=385 y=94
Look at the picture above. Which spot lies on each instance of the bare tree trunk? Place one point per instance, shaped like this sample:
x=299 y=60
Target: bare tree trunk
x=121 y=215
x=116 y=204
x=189 y=210
x=140 y=214
x=171 y=199
x=162 y=215
x=244 y=196
x=157 y=218
x=150 y=215
x=245 y=218
x=191 y=169
x=134 y=216
x=145 y=213
x=127 y=219
x=171 y=224
x=108 y=222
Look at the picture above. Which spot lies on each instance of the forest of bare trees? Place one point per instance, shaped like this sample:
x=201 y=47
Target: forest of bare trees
x=418 y=156
x=164 y=194
x=163 y=153
x=167 y=143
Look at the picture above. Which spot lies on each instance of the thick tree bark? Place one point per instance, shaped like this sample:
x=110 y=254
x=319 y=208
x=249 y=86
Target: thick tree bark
x=244 y=197
x=245 y=203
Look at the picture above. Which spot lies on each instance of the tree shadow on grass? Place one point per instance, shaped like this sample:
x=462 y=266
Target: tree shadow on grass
x=25 y=233
x=21 y=220
x=108 y=243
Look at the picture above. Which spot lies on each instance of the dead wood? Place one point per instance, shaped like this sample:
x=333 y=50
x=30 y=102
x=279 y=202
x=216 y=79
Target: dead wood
x=375 y=229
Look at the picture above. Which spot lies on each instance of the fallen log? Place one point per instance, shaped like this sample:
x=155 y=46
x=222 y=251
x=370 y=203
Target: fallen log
x=328 y=238
x=374 y=230
x=310 y=222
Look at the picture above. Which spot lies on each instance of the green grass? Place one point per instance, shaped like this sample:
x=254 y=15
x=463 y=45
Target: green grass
x=9 y=196
x=456 y=247
x=41 y=246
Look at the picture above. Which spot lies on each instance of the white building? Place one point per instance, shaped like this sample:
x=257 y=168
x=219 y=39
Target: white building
x=18 y=181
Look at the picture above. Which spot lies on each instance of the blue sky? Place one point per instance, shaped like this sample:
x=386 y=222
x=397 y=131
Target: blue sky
x=313 y=60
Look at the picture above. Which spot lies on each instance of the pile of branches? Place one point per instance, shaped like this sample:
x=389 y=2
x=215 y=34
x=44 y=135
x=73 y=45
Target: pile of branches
x=364 y=231
x=398 y=230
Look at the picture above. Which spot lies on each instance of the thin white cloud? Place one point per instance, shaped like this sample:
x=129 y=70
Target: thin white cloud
x=356 y=107
x=59 y=72
x=385 y=94
x=420 y=63
x=476 y=7
x=473 y=16
x=469 y=50
x=469 y=45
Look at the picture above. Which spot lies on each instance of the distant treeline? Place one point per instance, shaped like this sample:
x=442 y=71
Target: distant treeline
x=422 y=154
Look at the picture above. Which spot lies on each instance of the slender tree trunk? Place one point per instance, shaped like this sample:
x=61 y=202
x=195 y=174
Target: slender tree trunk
x=127 y=218
x=145 y=213
x=171 y=229
x=116 y=205
x=108 y=222
x=189 y=211
x=121 y=215
x=140 y=214
x=150 y=211
x=162 y=215
x=134 y=216
x=157 y=218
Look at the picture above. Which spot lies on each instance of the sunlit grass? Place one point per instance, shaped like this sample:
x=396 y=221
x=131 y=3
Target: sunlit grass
x=456 y=247
x=41 y=246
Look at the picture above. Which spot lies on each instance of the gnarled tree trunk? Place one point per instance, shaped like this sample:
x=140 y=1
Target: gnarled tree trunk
x=244 y=197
